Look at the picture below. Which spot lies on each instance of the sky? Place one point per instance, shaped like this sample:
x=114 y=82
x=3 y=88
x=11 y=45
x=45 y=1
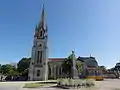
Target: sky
x=85 y=26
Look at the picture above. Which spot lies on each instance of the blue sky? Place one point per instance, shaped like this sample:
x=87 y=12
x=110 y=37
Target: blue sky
x=86 y=26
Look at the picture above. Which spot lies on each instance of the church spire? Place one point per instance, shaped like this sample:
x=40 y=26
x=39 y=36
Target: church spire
x=36 y=28
x=90 y=55
x=42 y=23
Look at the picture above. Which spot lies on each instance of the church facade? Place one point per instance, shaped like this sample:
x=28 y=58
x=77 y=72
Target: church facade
x=41 y=66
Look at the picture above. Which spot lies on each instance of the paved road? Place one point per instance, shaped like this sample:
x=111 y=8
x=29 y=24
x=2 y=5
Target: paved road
x=11 y=86
x=109 y=84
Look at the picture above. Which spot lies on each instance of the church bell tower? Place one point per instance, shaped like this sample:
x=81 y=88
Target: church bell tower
x=38 y=70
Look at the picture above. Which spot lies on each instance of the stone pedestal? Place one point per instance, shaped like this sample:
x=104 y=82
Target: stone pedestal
x=75 y=73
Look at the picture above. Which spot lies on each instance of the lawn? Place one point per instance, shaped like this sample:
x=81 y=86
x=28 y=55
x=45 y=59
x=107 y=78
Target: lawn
x=36 y=85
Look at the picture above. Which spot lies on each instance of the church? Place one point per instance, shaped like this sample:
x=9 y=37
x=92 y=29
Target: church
x=41 y=66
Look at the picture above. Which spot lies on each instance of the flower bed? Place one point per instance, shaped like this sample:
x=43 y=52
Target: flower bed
x=75 y=83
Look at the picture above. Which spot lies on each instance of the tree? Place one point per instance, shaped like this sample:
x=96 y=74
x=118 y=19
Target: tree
x=79 y=66
x=67 y=66
x=8 y=69
x=23 y=64
x=103 y=68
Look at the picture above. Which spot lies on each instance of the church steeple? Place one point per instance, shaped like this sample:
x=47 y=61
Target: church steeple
x=36 y=31
x=36 y=27
x=41 y=28
x=90 y=55
x=38 y=66
x=42 y=23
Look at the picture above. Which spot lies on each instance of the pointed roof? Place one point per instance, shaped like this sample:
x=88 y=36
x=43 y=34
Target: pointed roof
x=90 y=55
x=36 y=27
x=42 y=23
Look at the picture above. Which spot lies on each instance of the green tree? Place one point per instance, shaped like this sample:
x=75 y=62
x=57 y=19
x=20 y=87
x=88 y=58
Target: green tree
x=103 y=68
x=8 y=69
x=79 y=66
x=23 y=64
x=67 y=65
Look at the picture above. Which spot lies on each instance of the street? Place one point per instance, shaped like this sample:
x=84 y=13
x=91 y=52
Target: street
x=11 y=86
x=107 y=84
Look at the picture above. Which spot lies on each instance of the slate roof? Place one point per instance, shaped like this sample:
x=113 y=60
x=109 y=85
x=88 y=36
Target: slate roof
x=89 y=61
x=55 y=59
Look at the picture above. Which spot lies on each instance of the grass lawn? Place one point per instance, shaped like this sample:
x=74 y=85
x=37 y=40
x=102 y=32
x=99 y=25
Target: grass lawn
x=36 y=85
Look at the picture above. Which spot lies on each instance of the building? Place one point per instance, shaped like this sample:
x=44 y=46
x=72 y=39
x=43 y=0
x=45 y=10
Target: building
x=117 y=66
x=38 y=66
x=55 y=69
x=42 y=67
x=89 y=61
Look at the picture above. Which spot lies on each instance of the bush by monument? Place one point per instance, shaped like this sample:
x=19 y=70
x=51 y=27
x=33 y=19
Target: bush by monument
x=75 y=83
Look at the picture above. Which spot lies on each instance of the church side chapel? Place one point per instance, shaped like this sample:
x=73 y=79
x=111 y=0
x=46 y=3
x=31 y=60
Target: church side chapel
x=43 y=68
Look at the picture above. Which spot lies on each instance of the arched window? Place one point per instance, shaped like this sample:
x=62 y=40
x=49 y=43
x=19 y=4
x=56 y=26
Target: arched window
x=96 y=73
x=40 y=45
x=50 y=71
x=38 y=55
x=41 y=33
x=41 y=56
x=38 y=72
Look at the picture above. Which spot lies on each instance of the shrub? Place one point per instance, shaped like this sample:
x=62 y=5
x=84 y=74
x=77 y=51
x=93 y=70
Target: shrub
x=75 y=82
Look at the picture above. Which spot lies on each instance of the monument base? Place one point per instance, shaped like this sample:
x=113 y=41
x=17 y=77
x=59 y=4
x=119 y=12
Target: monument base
x=75 y=73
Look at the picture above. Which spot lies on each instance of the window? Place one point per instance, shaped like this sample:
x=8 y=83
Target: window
x=40 y=45
x=50 y=71
x=39 y=56
x=40 y=33
x=38 y=72
x=96 y=73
